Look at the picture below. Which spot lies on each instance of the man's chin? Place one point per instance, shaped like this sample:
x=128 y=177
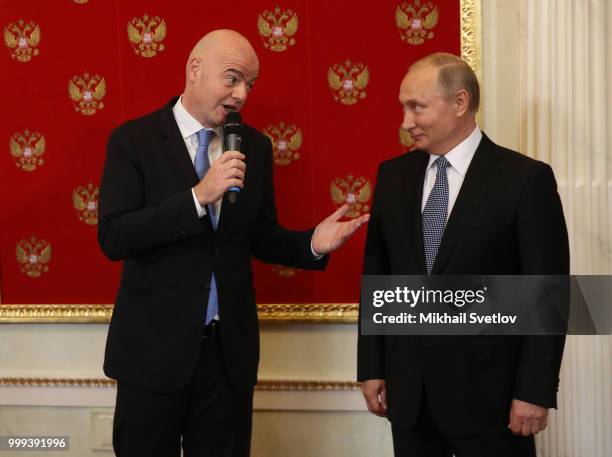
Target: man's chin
x=216 y=122
x=420 y=143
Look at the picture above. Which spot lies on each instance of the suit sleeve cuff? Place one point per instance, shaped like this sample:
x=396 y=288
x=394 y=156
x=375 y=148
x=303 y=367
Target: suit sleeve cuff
x=314 y=253
x=201 y=211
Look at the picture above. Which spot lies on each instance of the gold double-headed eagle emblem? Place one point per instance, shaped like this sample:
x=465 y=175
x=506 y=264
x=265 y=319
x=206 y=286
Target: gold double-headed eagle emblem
x=405 y=139
x=87 y=92
x=286 y=142
x=356 y=192
x=85 y=202
x=348 y=81
x=27 y=149
x=33 y=256
x=22 y=39
x=283 y=271
x=277 y=28
x=147 y=35
x=416 y=20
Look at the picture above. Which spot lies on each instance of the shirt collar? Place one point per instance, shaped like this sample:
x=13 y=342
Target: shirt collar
x=187 y=124
x=461 y=155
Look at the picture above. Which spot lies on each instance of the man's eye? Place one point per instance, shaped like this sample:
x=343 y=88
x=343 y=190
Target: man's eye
x=231 y=79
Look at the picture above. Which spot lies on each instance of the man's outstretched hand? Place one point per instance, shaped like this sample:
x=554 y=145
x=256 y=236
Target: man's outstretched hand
x=330 y=234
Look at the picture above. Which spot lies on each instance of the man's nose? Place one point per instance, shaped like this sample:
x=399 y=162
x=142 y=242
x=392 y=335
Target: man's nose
x=240 y=92
x=408 y=122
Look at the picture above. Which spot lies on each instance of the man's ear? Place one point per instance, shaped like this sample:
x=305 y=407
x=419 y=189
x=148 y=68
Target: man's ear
x=462 y=102
x=194 y=68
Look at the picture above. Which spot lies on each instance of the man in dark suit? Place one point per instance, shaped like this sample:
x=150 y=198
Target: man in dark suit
x=461 y=205
x=183 y=341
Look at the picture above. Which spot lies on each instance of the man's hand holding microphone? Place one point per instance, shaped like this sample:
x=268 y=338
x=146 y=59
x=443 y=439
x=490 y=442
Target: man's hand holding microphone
x=226 y=172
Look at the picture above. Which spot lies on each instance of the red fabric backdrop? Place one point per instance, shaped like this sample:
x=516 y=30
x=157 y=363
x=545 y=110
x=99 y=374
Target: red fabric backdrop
x=48 y=44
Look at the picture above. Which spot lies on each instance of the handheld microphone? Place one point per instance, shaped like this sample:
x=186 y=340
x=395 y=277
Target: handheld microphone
x=232 y=141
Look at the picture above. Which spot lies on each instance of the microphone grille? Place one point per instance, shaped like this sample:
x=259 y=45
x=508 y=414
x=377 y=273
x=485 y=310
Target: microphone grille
x=233 y=124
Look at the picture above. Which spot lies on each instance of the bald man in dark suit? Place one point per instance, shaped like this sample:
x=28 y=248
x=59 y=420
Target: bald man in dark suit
x=183 y=342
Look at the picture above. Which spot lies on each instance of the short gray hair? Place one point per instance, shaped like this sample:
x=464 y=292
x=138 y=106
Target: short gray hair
x=454 y=74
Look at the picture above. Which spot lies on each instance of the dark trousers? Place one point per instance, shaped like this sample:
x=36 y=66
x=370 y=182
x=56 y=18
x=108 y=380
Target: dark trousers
x=424 y=439
x=210 y=417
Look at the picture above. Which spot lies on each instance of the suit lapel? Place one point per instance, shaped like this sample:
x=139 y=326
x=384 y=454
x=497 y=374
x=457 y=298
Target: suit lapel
x=174 y=149
x=402 y=210
x=481 y=174
x=227 y=210
x=415 y=209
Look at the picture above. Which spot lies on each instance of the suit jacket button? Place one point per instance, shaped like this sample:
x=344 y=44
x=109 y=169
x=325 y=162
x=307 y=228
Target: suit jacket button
x=217 y=251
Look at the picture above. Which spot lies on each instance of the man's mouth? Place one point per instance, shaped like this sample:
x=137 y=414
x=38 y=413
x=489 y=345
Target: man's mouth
x=229 y=108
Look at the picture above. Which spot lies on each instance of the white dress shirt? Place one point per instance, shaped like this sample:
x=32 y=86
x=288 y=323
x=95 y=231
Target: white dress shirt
x=189 y=128
x=459 y=158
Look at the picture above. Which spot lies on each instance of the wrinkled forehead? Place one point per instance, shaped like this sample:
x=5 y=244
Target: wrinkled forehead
x=236 y=57
x=421 y=81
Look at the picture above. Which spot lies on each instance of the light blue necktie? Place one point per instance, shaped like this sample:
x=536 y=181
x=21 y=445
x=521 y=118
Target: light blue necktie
x=434 y=214
x=202 y=164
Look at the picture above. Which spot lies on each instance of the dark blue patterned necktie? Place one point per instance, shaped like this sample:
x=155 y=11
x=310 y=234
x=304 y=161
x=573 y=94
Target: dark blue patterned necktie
x=434 y=214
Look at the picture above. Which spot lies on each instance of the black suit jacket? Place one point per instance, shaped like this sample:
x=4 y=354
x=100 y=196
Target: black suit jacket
x=148 y=219
x=507 y=220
